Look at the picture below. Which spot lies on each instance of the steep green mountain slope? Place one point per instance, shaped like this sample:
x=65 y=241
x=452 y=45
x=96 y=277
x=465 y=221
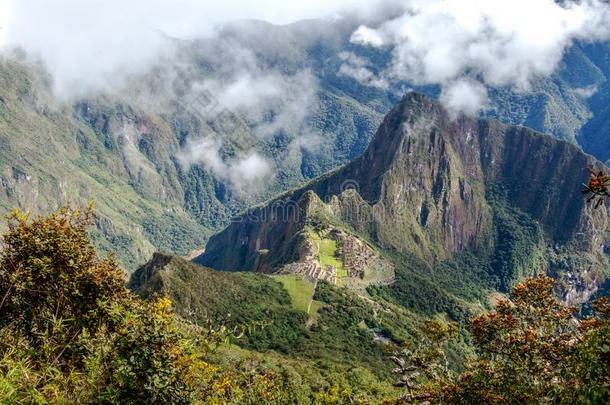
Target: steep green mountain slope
x=454 y=209
x=594 y=136
x=344 y=331
x=49 y=156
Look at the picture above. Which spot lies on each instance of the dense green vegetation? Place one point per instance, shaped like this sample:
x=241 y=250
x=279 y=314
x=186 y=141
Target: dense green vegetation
x=530 y=350
x=460 y=286
x=519 y=241
x=69 y=329
x=250 y=301
x=338 y=336
x=70 y=332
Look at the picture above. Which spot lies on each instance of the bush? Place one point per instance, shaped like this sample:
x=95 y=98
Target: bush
x=49 y=271
x=69 y=324
x=531 y=350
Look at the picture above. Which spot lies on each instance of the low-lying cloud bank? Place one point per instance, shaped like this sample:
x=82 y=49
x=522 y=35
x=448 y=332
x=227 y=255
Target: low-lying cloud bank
x=87 y=44
x=244 y=172
x=467 y=45
x=464 y=46
x=136 y=51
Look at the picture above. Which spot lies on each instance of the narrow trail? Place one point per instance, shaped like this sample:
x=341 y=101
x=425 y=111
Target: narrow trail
x=313 y=293
x=315 y=285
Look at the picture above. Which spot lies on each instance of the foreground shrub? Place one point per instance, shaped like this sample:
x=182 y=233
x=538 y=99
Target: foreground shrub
x=531 y=350
x=49 y=272
x=69 y=325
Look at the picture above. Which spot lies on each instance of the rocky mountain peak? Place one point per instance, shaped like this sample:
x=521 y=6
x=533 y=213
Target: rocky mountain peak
x=432 y=186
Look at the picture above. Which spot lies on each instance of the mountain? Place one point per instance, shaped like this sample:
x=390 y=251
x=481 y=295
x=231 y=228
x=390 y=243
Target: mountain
x=436 y=214
x=50 y=156
x=593 y=136
x=130 y=149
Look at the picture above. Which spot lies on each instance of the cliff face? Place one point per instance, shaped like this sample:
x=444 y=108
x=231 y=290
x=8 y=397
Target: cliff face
x=426 y=186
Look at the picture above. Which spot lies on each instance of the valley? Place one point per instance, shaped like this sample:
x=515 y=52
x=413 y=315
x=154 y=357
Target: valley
x=394 y=203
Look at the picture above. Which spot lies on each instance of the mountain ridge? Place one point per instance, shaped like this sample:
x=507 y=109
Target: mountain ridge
x=423 y=187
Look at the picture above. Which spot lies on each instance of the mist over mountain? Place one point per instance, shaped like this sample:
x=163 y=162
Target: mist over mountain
x=210 y=126
x=320 y=202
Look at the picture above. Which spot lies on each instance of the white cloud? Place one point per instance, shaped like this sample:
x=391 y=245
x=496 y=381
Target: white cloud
x=206 y=151
x=88 y=44
x=6 y=12
x=270 y=100
x=359 y=69
x=586 y=92
x=244 y=172
x=250 y=168
x=455 y=43
x=464 y=96
x=367 y=36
